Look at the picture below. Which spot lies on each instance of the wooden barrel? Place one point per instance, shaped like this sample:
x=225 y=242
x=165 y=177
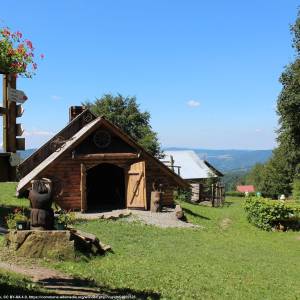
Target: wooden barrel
x=155 y=201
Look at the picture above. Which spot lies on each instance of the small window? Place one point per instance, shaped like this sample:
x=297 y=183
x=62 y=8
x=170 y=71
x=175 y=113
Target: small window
x=102 y=139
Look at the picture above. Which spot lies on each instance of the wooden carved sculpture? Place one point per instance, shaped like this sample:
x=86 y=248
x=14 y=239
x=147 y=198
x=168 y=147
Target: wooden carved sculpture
x=40 y=196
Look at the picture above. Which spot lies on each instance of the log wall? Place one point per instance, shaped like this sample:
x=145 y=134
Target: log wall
x=154 y=174
x=66 y=175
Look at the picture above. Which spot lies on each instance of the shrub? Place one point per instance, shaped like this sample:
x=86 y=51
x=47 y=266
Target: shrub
x=16 y=216
x=266 y=214
x=183 y=195
x=66 y=218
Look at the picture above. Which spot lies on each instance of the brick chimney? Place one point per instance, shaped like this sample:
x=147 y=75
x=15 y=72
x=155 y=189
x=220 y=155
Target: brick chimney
x=74 y=111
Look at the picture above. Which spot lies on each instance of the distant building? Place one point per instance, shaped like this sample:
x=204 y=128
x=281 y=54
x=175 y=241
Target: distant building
x=197 y=172
x=245 y=188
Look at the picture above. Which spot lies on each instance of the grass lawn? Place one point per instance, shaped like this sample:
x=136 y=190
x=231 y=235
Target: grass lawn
x=226 y=258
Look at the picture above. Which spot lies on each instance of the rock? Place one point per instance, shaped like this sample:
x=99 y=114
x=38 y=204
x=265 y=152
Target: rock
x=179 y=212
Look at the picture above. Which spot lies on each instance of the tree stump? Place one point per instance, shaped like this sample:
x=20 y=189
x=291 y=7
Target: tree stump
x=155 y=201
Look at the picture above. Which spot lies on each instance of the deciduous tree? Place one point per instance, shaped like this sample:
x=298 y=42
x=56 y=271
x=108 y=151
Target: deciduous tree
x=126 y=114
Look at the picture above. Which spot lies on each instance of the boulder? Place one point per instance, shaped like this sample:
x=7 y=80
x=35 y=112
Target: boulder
x=179 y=212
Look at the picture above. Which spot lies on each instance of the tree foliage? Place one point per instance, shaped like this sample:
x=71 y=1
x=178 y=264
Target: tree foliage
x=232 y=179
x=277 y=175
x=255 y=176
x=125 y=113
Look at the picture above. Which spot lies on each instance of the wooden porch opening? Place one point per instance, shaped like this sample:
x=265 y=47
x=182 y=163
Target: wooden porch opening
x=105 y=188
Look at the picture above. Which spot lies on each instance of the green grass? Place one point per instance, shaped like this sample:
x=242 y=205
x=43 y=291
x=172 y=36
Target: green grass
x=226 y=258
x=8 y=201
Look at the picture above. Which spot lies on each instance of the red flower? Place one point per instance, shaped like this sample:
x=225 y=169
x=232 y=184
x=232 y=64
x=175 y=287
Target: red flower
x=6 y=32
x=29 y=44
x=11 y=51
x=42 y=56
x=19 y=34
x=21 y=48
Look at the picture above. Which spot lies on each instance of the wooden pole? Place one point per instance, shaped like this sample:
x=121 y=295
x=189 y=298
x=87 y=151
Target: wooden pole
x=9 y=121
x=11 y=129
x=5 y=117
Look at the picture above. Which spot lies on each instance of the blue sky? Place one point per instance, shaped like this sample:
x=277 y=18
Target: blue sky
x=207 y=71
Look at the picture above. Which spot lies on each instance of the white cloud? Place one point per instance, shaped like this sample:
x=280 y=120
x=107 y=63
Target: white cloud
x=55 y=97
x=38 y=133
x=193 y=103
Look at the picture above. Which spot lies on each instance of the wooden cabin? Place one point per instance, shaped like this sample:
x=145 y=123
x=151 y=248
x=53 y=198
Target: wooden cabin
x=204 y=179
x=95 y=166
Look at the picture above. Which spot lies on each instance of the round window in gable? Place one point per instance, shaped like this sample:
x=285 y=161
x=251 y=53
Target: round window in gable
x=102 y=138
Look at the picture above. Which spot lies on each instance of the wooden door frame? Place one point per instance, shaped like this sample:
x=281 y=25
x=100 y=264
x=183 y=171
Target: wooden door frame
x=83 y=202
x=84 y=168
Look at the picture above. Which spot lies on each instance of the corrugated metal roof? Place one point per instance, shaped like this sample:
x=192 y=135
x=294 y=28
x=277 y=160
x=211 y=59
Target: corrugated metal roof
x=192 y=167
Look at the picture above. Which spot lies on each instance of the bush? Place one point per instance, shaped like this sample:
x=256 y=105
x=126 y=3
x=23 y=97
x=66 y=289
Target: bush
x=266 y=213
x=66 y=218
x=183 y=195
x=16 y=216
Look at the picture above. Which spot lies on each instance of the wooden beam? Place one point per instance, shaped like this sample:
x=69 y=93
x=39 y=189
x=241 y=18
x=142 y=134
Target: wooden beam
x=83 y=199
x=106 y=156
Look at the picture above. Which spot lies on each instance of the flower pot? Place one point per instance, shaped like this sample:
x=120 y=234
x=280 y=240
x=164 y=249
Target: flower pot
x=60 y=226
x=21 y=225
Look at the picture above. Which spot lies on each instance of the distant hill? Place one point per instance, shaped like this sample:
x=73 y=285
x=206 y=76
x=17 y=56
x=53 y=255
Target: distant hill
x=231 y=160
x=224 y=160
x=24 y=154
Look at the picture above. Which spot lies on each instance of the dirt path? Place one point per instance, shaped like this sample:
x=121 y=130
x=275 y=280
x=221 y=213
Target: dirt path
x=52 y=280
x=163 y=219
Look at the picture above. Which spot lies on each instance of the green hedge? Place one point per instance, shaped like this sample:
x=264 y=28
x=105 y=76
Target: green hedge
x=266 y=214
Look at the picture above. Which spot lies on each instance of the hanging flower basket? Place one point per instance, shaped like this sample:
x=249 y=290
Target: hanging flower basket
x=16 y=54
